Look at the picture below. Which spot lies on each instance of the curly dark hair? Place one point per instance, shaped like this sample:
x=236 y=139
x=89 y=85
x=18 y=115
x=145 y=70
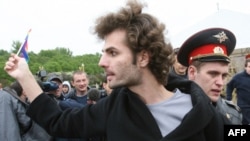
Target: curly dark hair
x=144 y=33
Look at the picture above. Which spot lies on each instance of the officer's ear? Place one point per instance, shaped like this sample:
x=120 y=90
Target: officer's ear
x=192 y=71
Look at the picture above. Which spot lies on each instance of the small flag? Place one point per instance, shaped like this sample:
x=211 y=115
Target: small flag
x=24 y=48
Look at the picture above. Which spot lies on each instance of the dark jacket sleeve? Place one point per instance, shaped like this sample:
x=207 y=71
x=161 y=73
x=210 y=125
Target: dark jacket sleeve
x=174 y=82
x=73 y=123
x=229 y=89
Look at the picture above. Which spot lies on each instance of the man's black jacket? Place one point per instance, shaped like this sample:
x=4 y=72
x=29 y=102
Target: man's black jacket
x=122 y=116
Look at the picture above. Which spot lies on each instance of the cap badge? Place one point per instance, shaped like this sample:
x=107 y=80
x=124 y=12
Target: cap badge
x=221 y=36
x=218 y=49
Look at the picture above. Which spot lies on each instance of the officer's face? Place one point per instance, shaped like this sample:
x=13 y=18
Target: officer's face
x=211 y=77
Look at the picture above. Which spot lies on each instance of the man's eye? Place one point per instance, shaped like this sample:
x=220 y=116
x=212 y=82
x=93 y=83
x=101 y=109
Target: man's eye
x=224 y=76
x=213 y=74
x=113 y=53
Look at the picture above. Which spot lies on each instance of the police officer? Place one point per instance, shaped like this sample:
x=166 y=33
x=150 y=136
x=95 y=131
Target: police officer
x=206 y=54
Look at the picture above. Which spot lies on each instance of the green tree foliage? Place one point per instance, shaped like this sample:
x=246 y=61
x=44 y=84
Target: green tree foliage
x=59 y=60
x=15 y=46
x=3 y=52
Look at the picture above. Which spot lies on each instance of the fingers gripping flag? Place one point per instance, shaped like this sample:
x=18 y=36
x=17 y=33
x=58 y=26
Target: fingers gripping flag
x=23 y=50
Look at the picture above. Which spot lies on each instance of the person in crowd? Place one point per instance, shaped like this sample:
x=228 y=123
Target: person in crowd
x=93 y=96
x=66 y=88
x=136 y=59
x=14 y=122
x=240 y=83
x=106 y=90
x=178 y=69
x=78 y=96
x=56 y=93
x=206 y=54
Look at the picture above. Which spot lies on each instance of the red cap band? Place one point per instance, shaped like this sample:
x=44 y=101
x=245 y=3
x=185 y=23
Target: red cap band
x=208 y=50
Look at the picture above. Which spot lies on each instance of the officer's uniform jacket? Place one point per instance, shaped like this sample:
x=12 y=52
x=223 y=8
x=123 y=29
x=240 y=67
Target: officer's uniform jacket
x=230 y=111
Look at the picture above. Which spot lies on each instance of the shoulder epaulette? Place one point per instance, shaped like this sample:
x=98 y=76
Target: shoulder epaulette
x=231 y=104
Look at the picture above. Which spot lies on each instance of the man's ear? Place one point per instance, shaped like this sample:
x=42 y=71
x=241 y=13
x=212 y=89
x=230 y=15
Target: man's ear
x=191 y=72
x=143 y=58
x=72 y=83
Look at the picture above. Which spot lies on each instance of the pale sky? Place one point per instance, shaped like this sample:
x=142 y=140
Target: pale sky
x=67 y=23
